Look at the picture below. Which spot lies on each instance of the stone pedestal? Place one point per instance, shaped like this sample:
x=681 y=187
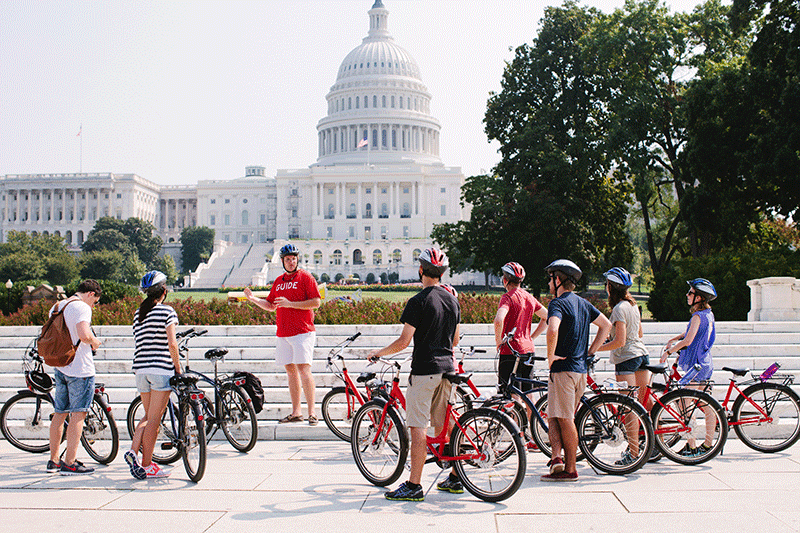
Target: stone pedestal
x=45 y=292
x=774 y=299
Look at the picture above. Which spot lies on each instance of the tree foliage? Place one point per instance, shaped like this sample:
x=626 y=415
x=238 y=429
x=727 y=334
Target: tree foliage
x=197 y=245
x=26 y=256
x=132 y=236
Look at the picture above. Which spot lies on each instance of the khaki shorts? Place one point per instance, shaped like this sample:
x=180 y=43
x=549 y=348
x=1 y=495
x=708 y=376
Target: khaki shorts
x=564 y=391
x=426 y=400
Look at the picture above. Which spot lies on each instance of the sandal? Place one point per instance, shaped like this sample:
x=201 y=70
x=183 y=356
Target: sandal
x=290 y=418
x=312 y=420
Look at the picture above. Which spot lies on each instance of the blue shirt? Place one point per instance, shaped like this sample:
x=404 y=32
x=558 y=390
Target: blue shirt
x=575 y=314
x=699 y=351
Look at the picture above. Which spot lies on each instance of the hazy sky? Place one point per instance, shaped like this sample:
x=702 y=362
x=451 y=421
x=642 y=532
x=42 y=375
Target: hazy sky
x=178 y=92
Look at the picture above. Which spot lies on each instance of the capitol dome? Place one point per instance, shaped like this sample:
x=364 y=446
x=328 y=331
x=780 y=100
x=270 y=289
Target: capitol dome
x=378 y=109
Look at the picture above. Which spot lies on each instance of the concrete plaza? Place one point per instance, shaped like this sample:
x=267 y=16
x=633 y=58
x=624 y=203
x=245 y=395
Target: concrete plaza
x=310 y=486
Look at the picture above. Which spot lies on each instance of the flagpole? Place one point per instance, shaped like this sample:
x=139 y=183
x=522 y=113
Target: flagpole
x=80 y=132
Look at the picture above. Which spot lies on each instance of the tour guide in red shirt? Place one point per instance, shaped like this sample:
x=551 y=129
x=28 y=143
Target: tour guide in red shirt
x=294 y=295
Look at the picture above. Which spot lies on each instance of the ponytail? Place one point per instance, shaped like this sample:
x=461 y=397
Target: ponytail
x=153 y=293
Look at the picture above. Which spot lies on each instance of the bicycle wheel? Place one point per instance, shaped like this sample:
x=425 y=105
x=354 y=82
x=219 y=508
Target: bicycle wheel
x=614 y=433
x=100 y=437
x=379 y=442
x=462 y=400
x=773 y=431
x=238 y=419
x=25 y=421
x=338 y=409
x=690 y=426
x=165 y=452
x=539 y=432
x=516 y=412
x=193 y=440
x=484 y=435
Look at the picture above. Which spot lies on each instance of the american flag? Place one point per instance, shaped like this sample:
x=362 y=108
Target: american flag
x=363 y=142
x=79 y=131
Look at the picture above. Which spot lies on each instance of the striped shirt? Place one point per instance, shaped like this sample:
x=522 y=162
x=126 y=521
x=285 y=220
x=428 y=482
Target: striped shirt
x=152 y=348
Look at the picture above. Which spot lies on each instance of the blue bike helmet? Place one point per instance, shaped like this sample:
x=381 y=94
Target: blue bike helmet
x=289 y=249
x=704 y=288
x=151 y=279
x=620 y=276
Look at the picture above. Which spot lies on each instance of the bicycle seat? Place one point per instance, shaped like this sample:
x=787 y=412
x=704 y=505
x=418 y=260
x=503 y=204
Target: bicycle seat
x=184 y=380
x=366 y=376
x=215 y=354
x=660 y=368
x=456 y=379
x=737 y=371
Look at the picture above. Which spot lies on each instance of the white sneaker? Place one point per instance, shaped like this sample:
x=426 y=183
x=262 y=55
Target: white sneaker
x=154 y=471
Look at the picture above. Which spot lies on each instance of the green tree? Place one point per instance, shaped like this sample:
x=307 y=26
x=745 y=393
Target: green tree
x=166 y=264
x=28 y=256
x=133 y=234
x=103 y=264
x=112 y=240
x=142 y=236
x=61 y=269
x=197 y=245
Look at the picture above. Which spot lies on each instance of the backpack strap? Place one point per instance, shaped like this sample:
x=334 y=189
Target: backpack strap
x=55 y=309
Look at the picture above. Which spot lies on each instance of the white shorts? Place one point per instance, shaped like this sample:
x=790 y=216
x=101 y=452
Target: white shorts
x=296 y=350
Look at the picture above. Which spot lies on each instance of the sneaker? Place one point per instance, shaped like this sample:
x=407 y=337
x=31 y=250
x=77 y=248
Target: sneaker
x=531 y=446
x=560 y=476
x=451 y=485
x=556 y=465
x=406 y=493
x=697 y=452
x=155 y=471
x=626 y=459
x=53 y=467
x=687 y=451
x=312 y=420
x=75 y=469
x=137 y=470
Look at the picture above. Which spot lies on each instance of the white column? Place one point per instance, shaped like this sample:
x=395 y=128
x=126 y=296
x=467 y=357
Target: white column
x=63 y=205
x=413 y=210
x=359 y=205
x=336 y=202
x=375 y=211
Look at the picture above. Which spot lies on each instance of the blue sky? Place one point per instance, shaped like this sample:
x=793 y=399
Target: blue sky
x=178 y=92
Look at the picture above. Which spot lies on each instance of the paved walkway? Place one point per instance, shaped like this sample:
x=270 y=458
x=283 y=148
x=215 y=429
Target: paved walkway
x=310 y=486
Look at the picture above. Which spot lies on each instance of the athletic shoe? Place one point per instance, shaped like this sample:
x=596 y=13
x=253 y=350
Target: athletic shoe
x=137 y=470
x=76 y=469
x=695 y=452
x=406 y=493
x=52 y=467
x=686 y=451
x=560 y=476
x=556 y=465
x=627 y=459
x=532 y=446
x=451 y=485
x=155 y=471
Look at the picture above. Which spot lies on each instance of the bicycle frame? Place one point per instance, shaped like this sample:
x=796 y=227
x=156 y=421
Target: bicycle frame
x=351 y=390
x=733 y=385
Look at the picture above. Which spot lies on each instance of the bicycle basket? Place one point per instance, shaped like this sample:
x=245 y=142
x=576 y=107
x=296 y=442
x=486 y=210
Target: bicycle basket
x=38 y=382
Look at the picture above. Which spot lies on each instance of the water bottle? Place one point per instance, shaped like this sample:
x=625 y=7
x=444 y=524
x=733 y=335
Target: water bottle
x=771 y=369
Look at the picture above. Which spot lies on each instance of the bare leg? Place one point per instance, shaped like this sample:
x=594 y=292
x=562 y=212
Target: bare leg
x=631 y=424
x=554 y=432
x=136 y=441
x=293 y=374
x=418 y=452
x=74 y=432
x=153 y=411
x=56 y=430
x=309 y=387
x=569 y=441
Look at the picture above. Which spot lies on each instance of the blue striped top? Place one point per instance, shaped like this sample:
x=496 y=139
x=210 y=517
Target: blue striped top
x=151 y=355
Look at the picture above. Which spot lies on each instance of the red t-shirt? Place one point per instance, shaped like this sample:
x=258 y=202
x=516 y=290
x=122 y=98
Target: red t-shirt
x=296 y=287
x=521 y=307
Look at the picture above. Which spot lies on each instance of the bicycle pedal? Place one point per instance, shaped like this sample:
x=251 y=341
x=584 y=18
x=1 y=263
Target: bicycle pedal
x=166 y=446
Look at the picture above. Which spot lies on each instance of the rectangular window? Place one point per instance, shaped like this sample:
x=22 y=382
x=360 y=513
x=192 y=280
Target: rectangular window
x=369 y=190
x=263 y=219
x=405 y=231
x=329 y=232
x=383 y=190
x=444 y=210
x=367 y=232
x=352 y=231
x=405 y=190
x=352 y=190
x=227 y=222
x=213 y=200
x=212 y=220
x=443 y=190
x=119 y=195
x=227 y=200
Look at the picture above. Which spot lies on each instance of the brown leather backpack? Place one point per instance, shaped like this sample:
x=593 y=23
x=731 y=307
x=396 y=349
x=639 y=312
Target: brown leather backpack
x=55 y=343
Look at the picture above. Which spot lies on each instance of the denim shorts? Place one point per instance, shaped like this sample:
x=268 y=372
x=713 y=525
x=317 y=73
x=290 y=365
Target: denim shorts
x=152 y=382
x=72 y=394
x=632 y=365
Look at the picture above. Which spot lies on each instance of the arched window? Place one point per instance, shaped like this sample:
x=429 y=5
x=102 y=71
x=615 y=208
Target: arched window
x=57 y=233
x=245 y=218
x=401 y=102
x=394 y=138
x=68 y=237
x=406 y=210
x=384 y=211
x=366 y=102
x=330 y=211
x=317 y=257
x=337 y=257
x=357 y=258
x=366 y=136
x=374 y=100
x=374 y=138
x=368 y=211
x=383 y=100
x=415 y=254
x=397 y=255
x=358 y=101
x=80 y=237
x=352 y=211
x=383 y=138
x=392 y=102
x=349 y=102
x=377 y=257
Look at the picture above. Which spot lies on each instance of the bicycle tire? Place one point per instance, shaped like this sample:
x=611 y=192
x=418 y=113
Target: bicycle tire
x=462 y=400
x=338 y=410
x=165 y=451
x=680 y=410
x=25 y=421
x=609 y=427
x=489 y=478
x=238 y=419
x=538 y=432
x=380 y=444
x=193 y=440
x=780 y=403
x=100 y=437
x=514 y=409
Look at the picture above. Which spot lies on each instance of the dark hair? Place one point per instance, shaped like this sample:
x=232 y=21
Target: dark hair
x=430 y=270
x=566 y=280
x=511 y=279
x=698 y=306
x=153 y=294
x=90 y=285
x=617 y=293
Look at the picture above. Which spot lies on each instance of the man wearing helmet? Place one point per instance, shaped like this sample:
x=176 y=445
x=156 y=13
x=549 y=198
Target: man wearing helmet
x=74 y=382
x=568 y=319
x=516 y=309
x=294 y=296
x=431 y=318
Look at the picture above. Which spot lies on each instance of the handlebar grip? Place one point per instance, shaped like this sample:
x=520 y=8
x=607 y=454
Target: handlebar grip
x=201 y=332
x=480 y=350
x=182 y=334
x=354 y=337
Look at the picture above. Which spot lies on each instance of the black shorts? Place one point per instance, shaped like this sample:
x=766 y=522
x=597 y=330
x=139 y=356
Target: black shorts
x=506 y=364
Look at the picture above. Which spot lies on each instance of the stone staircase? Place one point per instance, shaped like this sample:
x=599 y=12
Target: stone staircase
x=755 y=345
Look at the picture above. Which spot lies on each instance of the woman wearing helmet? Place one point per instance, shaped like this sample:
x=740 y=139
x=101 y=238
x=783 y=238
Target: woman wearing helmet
x=694 y=346
x=294 y=296
x=628 y=353
x=155 y=360
x=516 y=309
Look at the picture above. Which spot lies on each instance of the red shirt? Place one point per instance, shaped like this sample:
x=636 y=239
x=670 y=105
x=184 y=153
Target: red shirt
x=296 y=287
x=521 y=307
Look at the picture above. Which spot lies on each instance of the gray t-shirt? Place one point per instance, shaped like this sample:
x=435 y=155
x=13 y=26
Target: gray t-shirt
x=633 y=347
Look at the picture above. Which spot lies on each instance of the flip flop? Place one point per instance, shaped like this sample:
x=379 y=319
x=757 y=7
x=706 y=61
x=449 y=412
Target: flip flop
x=290 y=418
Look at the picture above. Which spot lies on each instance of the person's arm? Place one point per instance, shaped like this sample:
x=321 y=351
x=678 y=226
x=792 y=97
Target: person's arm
x=553 y=323
x=312 y=303
x=499 y=318
x=399 y=344
x=620 y=331
x=603 y=329
x=542 y=325
x=263 y=303
x=86 y=336
x=694 y=327
x=456 y=338
x=172 y=341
